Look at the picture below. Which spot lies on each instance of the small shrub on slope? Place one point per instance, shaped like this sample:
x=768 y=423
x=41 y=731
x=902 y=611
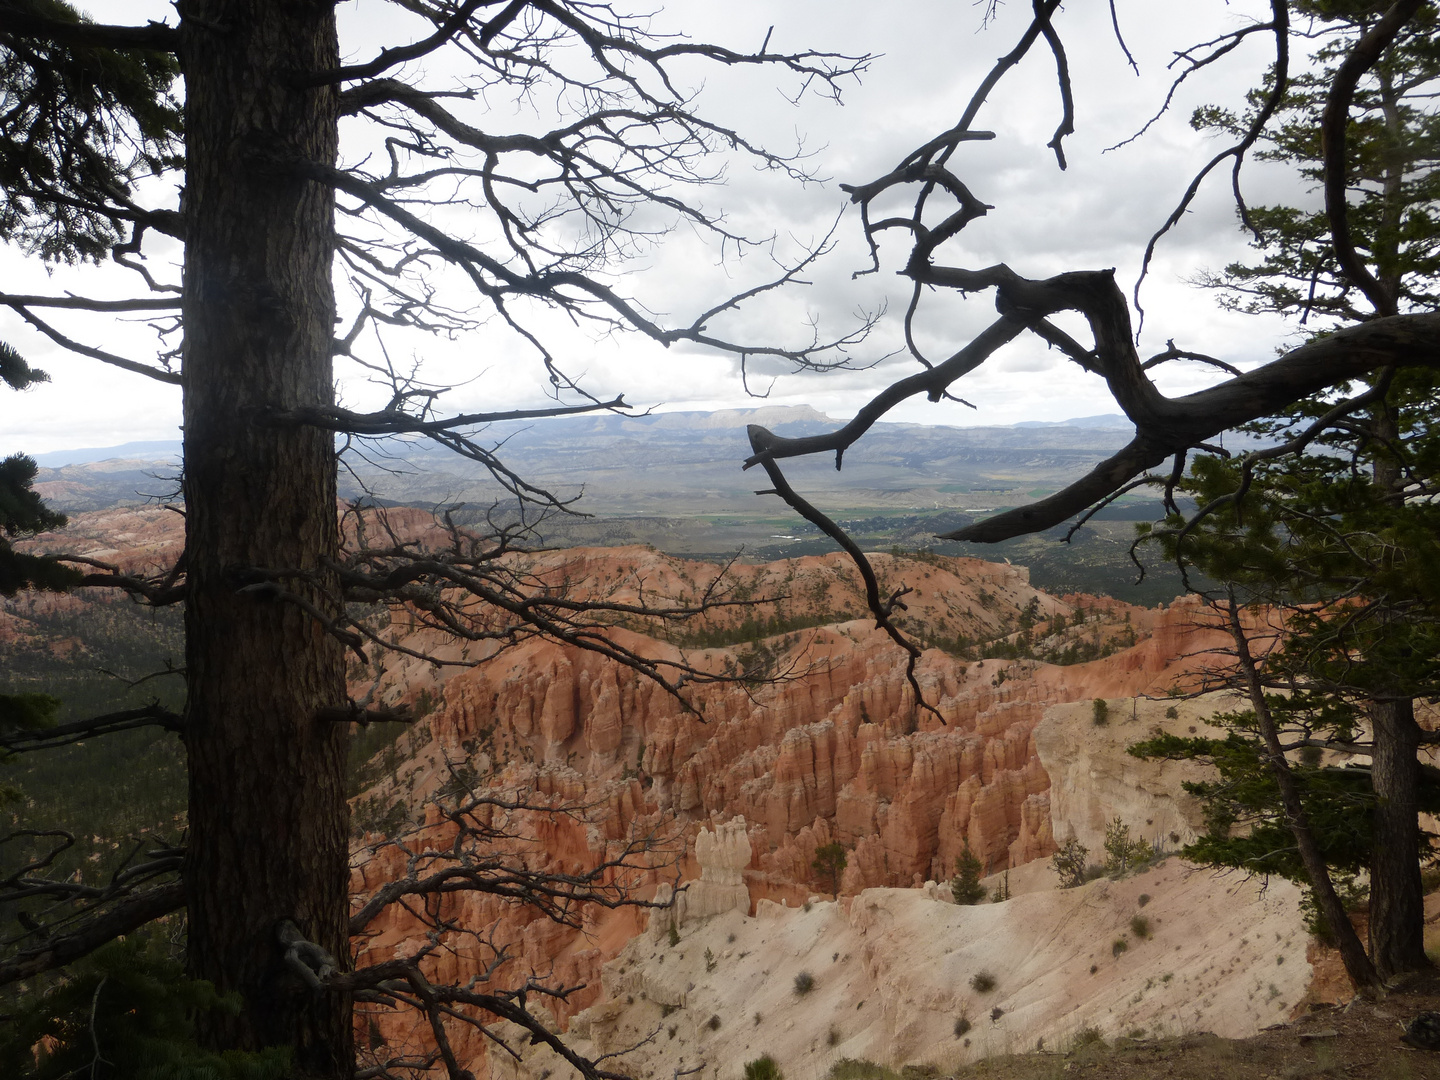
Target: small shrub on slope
x=853 y=1069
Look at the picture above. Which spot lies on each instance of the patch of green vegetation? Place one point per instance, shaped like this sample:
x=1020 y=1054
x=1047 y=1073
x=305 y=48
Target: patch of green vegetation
x=130 y=1007
x=1087 y=1037
x=853 y=1069
x=96 y=658
x=1122 y=852
x=375 y=752
x=753 y=630
x=1070 y=863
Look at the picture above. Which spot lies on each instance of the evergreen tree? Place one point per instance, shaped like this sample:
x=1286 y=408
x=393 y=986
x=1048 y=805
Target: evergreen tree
x=1069 y=863
x=83 y=122
x=1343 y=542
x=21 y=511
x=126 y=1012
x=965 y=885
x=1392 y=183
x=1122 y=853
x=829 y=864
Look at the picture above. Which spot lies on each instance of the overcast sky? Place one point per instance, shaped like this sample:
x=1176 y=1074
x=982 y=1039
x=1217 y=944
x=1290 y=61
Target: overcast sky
x=1097 y=214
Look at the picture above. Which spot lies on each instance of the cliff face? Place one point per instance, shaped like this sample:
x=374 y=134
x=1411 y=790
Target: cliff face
x=138 y=540
x=1093 y=780
x=834 y=749
x=133 y=541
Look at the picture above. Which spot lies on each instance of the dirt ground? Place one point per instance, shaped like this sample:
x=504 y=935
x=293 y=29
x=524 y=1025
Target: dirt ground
x=1359 y=1041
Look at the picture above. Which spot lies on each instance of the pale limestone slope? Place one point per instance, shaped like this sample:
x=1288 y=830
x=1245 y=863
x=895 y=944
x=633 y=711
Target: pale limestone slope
x=892 y=975
x=1093 y=780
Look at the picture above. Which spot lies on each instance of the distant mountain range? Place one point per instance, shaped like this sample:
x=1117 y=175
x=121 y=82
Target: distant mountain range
x=674 y=480
x=674 y=463
x=162 y=450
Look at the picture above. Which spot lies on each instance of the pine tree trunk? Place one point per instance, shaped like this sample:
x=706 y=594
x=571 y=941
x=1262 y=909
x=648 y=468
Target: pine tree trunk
x=1397 y=898
x=1362 y=971
x=268 y=819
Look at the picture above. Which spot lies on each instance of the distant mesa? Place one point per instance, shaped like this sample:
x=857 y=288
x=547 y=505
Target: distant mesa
x=673 y=465
x=767 y=416
x=142 y=451
x=770 y=416
x=1104 y=420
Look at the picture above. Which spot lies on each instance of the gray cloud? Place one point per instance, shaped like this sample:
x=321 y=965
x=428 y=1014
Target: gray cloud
x=1099 y=213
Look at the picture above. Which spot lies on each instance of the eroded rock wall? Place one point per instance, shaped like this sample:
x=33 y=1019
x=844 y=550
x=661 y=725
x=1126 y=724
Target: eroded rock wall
x=833 y=750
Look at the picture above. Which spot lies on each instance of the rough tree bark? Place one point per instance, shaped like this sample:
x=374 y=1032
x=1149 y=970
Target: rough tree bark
x=268 y=819
x=1397 y=897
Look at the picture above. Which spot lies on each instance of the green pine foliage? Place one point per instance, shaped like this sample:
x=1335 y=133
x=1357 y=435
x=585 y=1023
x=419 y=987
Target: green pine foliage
x=1069 y=862
x=1341 y=541
x=27 y=712
x=965 y=885
x=1357 y=573
x=80 y=125
x=829 y=865
x=1244 y=828
x=21 y=511
x=1123 y=852
x=15 y=372
x=1393 y=181
x=127 y=1011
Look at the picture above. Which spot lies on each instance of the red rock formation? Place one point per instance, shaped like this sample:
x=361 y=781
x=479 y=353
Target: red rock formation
x=835 y=749
x=839 y=751
x=842 y=742
x=138 y=540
